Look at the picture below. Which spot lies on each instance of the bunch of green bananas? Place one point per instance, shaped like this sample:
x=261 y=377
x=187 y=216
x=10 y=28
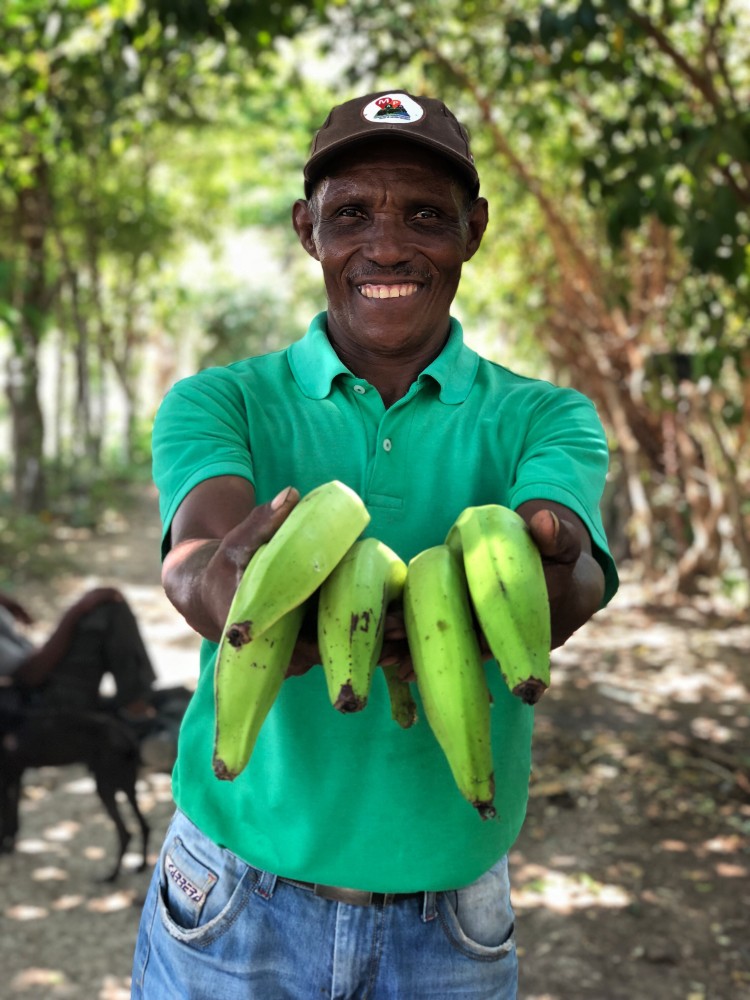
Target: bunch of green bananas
x=488 y=568
x=488 y=571
x=266 y=615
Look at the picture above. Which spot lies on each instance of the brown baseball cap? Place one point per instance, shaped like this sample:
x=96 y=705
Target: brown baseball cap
x=391 y=114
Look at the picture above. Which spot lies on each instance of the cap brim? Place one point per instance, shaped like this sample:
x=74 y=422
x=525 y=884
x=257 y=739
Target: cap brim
x=315 y=166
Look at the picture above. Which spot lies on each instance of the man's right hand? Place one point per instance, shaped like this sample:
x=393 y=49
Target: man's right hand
x=215 y=532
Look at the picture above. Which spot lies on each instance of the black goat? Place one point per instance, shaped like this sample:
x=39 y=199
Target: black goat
x=99 y=740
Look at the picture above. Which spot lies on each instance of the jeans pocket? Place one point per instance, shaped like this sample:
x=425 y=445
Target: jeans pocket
x=478 y=920
x=202 y=889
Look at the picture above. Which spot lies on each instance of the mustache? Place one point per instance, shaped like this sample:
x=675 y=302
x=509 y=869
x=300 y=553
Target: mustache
x=401 y=271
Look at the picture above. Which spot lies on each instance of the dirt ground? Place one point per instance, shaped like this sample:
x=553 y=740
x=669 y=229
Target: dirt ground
x=631 y=874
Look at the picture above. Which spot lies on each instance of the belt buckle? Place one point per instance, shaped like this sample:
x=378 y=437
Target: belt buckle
x=354 y=897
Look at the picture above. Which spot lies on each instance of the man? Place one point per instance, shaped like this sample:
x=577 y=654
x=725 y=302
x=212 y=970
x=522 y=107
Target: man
x=97 y=635
x=343 y=862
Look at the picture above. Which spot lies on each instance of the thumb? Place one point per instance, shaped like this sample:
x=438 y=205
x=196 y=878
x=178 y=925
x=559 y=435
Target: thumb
x=556 y=539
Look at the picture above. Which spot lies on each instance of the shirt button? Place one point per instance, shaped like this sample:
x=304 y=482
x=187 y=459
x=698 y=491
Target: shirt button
x=360 y=389
x=387 y=444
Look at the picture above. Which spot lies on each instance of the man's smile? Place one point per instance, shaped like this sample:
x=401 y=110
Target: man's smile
x=399 y=291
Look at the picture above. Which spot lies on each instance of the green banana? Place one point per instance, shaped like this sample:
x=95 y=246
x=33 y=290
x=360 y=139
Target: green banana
x=247 y=680
x=509 y=593
x=289 y=568
x=450 y=673
x=352 y=607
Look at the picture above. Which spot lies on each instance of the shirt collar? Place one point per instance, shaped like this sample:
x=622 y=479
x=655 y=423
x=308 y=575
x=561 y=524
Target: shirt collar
x=455 y=368
x=315 y=364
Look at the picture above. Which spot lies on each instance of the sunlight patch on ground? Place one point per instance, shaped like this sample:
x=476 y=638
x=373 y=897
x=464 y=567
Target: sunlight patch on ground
x=35 y=793
x=24 y=912
x=63 y=831
x=564 y=893
x=131 y=860
x=80 y=786
x=115 y=989
x=49 y=874
x=679 y=846
x=30 y=978
x=710 y=729
x=725 y=844
x=725 y=870
x=65 y=903
x=111 y=904
x=33 y=845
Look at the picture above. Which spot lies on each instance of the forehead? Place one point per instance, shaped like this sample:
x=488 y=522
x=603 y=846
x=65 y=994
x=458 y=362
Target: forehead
x=370 y=163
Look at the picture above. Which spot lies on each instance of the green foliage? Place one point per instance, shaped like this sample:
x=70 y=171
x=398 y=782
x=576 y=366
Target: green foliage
x=108 y=115
x=644 y=108
x=80 y=499
x=668 y=121
x=242 y=322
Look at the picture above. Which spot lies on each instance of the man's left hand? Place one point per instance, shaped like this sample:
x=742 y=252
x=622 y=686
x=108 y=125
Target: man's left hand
x=575 y=581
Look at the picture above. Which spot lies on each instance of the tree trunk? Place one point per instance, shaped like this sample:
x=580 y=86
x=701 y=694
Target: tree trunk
x=31 y=298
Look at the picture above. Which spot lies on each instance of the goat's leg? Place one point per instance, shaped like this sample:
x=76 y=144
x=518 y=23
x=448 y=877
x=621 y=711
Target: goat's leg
x=132 y=797
x=107 y=790
x=10 y=796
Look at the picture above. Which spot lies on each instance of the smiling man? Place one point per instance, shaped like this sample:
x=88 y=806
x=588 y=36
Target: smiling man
x=342 y=862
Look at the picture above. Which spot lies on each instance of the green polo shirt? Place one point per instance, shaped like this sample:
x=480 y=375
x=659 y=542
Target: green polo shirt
x=354 y=800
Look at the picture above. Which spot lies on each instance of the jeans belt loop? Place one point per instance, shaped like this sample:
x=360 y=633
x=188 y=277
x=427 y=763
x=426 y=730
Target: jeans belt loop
x=266 y=883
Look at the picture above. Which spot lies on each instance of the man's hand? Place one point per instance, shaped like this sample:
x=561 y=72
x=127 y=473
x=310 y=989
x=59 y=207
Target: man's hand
x=575 y=581
x=395 y=645
x=215 y=534
x=228 y=563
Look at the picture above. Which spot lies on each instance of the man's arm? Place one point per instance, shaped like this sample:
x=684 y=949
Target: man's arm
x=213 y=536
x=575 y=580
x=18 y=611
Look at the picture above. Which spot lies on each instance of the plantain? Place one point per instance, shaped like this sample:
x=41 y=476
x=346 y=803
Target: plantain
x=509 y=594
x=450 y=673
x=352 y=608
x=247 y=680
x=289 y=568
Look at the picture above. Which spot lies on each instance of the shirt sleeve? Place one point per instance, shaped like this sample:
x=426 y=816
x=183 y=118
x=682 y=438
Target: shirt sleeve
x=200 y=431
x=565 y=459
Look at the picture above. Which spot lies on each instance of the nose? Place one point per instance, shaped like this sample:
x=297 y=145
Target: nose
x=387 y=242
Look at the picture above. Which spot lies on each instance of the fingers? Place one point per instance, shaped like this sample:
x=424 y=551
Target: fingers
x=305 y=656
x=260 y=525
x=556 y=539
x=286 y=496
x=395 y=647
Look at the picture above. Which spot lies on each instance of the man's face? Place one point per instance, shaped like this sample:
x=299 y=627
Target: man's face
x=391 y=227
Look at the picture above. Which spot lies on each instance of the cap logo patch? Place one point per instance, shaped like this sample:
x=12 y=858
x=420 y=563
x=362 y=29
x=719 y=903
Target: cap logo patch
x=397 y=108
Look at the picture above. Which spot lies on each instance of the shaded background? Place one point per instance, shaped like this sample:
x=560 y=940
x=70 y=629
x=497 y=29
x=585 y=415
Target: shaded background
x=149 y=155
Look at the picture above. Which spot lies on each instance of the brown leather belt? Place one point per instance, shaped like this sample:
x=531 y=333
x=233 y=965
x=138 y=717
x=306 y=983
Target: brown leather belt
x=354 y=897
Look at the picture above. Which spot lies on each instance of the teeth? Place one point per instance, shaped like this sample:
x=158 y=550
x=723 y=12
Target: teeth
x=387 y=291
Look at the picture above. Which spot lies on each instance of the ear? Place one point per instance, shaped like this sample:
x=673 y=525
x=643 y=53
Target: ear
x=302 y=220
x=478 y=217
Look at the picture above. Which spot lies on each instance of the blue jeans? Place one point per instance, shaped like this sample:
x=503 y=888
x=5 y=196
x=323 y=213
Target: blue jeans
x=215 y=928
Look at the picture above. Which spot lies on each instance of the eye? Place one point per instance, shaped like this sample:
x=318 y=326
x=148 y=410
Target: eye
x=426 y=213
x=349 y=212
